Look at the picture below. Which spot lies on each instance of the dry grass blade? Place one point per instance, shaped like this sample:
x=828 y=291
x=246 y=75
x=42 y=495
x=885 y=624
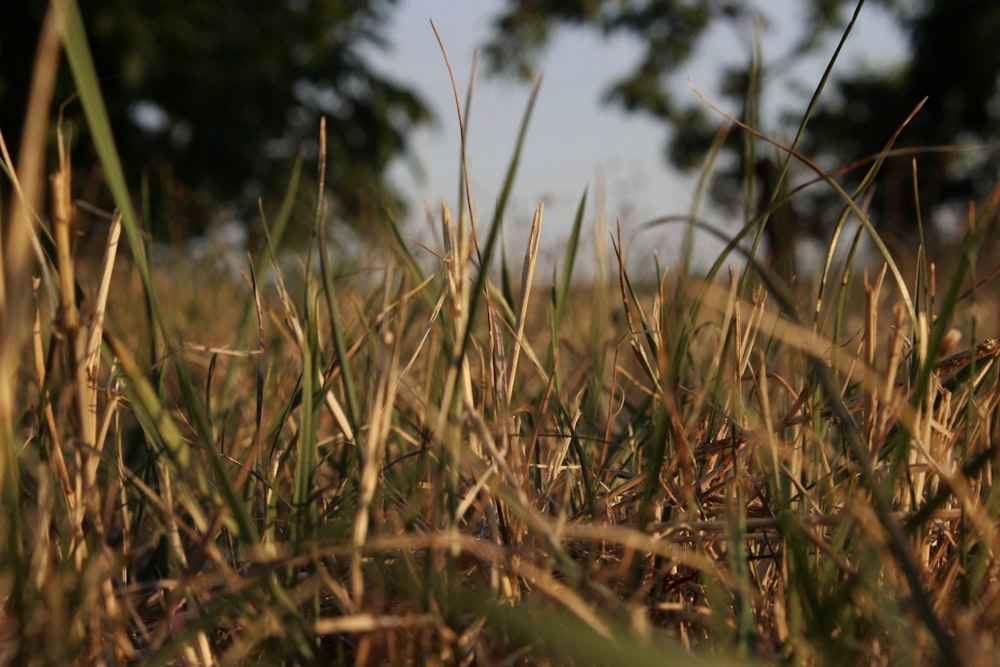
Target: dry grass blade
x=527 y=279
x=362 y=623
x=16 y=238
x=384 y=386
x=28 y=177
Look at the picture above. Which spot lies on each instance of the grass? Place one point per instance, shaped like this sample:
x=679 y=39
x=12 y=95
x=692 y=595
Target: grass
x=456 y=466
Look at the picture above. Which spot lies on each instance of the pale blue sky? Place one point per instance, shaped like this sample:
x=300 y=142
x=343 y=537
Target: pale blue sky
x=574 y=140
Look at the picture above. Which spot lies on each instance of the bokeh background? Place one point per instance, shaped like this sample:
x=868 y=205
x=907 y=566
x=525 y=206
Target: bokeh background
x=213 y=101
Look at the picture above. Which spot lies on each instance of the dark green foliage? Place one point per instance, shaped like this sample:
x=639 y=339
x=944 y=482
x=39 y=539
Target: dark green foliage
x=669 y=30
x=953 y=61
x=955 y=64
x=236 y=89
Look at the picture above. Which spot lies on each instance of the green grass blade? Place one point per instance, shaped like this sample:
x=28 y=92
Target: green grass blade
x=82 y=65
x=477 y=293
x=569 y=261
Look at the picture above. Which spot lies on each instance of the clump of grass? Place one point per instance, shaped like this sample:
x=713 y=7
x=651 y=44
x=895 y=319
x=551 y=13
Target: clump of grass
x=448 y=467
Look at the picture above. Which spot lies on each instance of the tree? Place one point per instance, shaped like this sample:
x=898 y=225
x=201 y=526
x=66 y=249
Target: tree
x=955 y=64
x=953 y=60
x=213 y=99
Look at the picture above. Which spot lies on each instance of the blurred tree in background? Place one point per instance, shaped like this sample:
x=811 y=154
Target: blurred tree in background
x=211 y=100
x=954 y=61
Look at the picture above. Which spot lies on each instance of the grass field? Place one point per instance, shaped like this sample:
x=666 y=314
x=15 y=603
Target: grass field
x=476 y=464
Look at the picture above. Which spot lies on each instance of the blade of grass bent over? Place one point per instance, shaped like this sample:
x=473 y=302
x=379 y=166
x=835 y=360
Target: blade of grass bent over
x=828 y=178
x=464 y=186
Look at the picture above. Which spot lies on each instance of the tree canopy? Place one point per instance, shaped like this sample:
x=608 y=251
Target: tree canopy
x=213 y=99
x=953 y=61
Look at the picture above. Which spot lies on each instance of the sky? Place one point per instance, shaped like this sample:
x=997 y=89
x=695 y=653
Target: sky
x=574 y=141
